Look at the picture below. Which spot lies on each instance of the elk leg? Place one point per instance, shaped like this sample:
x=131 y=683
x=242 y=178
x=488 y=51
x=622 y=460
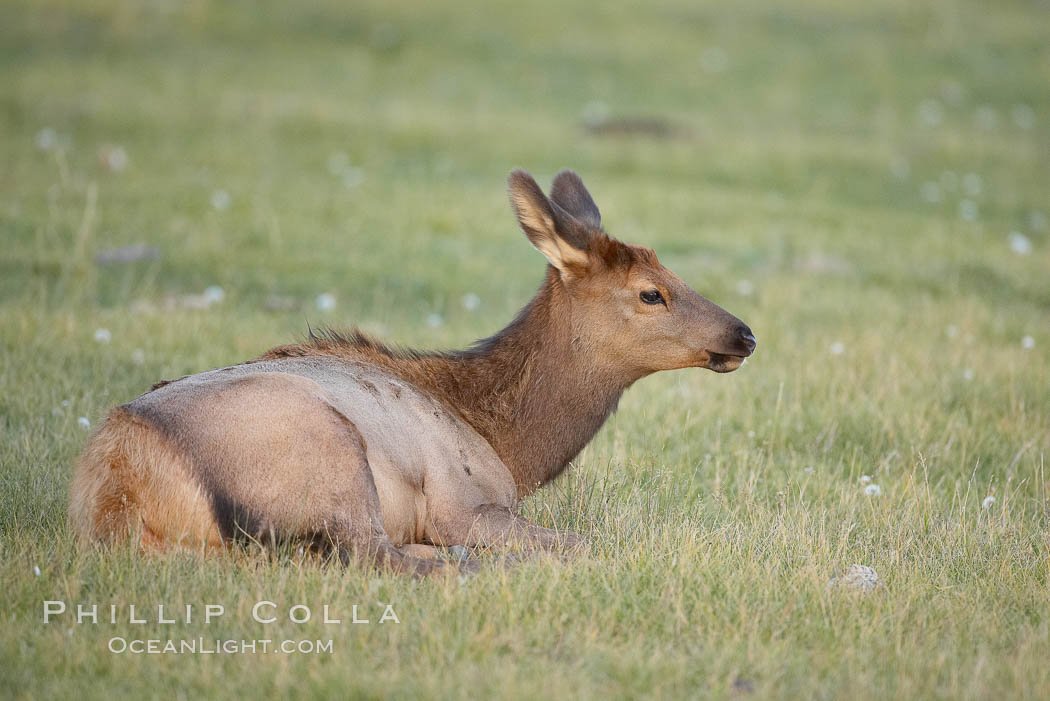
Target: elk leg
x=496 y=525
x=363 y=538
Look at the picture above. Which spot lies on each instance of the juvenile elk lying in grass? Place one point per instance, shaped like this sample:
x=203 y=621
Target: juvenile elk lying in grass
x=382 y=454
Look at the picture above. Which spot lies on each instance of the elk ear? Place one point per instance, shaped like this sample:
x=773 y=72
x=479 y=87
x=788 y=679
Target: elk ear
x=569 y=193
x=553 y=231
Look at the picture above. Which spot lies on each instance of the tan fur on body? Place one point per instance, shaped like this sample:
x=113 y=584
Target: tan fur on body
x=344 y=441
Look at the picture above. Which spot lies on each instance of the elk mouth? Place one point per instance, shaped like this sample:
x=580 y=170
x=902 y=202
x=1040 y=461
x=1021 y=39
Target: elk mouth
x=725 y=362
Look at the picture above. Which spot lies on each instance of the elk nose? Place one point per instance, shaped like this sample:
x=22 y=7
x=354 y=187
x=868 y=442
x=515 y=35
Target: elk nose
x=747 y=338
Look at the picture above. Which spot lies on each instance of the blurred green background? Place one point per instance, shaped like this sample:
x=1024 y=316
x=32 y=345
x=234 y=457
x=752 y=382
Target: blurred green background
x=865 y=184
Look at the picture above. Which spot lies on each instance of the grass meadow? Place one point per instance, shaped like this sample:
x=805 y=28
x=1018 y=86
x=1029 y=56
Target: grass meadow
x=865 y=184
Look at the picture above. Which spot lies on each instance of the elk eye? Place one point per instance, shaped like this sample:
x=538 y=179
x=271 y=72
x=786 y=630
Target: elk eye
x=652 y=297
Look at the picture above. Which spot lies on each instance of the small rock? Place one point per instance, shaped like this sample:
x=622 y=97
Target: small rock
x=279 y=303
x=858 y=577
x=743 y=686
x=458 y=552
x=127 y=254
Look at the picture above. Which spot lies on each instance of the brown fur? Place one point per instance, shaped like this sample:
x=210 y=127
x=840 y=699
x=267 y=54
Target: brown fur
x=108 y=490
x=380 y=451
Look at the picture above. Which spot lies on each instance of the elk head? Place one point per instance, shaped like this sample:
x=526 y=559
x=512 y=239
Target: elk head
x=626 y=308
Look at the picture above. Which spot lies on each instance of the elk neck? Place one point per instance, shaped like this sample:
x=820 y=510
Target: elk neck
x=535 y=391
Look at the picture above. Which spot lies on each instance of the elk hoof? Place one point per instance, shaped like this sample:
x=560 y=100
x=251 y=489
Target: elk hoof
x=458 y=552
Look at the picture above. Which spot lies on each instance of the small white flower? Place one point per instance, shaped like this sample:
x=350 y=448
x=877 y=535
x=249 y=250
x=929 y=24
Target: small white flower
x=930 y=112
x=931 y=192
x=353 y=176
x=972 y=184
x=470 y=301
x=1023 y=116
x=113 y=158
x=986 y=117
x=1037 y=220
x=809 y=470
x=220 y=200
x=337 y=163
x=900 y=168
x=138 y=356
x=36 y=570
x=102 y=336
x=84 y=422
x=65 y=402
x=434 y=320
x=595 y=113
x=968 y=210
x=837 y=348
x=214 y=293
x=987 y=503
x=325 y=301
x=968 y=374
x=46 y=139
x=1028 y=343
x=750 y=434
x=744 y=288
x=952 y=331
x=714 y=60
x=1019 y=243
x=873 y=490
x=953 y=91
x=865 y=479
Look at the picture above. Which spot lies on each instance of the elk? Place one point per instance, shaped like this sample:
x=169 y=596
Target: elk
x=385 y=455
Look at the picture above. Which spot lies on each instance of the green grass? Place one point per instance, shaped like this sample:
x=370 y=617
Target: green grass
x=718 y=506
